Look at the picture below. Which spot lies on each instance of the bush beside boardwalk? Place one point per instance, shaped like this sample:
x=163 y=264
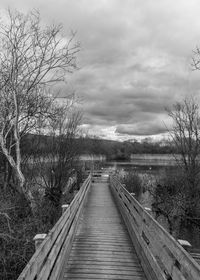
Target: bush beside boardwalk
x=166 y=194
x=19 y=225
x=133 y=183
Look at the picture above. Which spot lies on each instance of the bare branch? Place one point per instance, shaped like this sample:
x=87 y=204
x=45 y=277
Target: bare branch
x=32 y=59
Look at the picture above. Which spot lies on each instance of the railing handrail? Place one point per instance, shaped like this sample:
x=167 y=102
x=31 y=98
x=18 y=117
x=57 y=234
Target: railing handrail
x=42 y=264
x=165 y=255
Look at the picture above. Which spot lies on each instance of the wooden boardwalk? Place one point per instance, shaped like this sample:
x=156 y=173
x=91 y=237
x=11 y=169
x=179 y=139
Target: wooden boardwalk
x=91 y=241
x=102 y=248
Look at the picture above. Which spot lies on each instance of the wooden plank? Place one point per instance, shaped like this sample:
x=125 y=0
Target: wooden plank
x=64 y=253
x=102 y=248
x=144 y=257
x=35 y=264
x=106 y=271
x=65 y=250
x=74 y=214
x=101 y=276
x=152 y=272
x=153 y=240
x=112 y=262
x=106 y=266
x=45 y=272
x=43 y=260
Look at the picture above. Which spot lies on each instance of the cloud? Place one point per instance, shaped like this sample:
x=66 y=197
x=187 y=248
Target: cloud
x=142 y=129
x=134 y=62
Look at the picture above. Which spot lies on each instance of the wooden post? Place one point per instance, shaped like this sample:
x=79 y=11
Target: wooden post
x=39 y=238
x=64 y=207
x=184 y=243
x=147 y=209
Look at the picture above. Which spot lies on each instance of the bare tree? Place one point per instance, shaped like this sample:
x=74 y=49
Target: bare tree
x=31 y=59
x=186 y=137
x=177 y=194
x=185 y=133
x=63 y=145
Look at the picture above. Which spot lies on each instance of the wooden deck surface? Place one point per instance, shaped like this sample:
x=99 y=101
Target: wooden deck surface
x=102 y=248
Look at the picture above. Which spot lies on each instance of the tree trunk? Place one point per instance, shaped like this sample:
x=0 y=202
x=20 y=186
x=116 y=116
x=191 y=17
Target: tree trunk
x=6 y=175
x=20 y=187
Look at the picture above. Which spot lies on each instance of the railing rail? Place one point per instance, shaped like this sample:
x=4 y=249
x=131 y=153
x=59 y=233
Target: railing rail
x=162 y=257
x=47 y=261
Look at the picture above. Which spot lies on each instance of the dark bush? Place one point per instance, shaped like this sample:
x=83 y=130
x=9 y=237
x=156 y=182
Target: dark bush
x=170 y=199
x=133 y=183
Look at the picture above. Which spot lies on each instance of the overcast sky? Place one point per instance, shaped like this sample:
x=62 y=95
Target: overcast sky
x=134 y=61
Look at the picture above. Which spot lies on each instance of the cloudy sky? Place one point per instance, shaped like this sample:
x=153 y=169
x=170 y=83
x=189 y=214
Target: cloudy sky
x=134 y=61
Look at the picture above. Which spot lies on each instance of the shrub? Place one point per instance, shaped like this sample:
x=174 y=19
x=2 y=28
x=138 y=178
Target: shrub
x=133 y=183
x=16 y=235
x=170 y=199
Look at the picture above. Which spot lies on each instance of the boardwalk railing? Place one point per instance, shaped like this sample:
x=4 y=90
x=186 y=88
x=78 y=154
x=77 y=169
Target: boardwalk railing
x=48 y=259
x=161 y=256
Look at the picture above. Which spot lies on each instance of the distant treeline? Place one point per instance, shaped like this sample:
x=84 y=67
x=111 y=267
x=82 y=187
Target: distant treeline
x=123 y=150
x=41 y=144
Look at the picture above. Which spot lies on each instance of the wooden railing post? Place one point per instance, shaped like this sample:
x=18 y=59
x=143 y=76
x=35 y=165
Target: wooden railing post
x=147 y=209
x=184 y=243
x=64 y=207
x=39 y=238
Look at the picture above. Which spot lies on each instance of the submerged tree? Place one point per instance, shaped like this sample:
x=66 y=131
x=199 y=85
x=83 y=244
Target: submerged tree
x=32 y=58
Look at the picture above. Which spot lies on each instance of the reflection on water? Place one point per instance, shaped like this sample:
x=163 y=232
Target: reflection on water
x=190 y=232
x=132 y=165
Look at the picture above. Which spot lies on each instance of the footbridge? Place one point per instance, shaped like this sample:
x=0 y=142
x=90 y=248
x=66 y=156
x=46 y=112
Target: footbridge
x=106 y=234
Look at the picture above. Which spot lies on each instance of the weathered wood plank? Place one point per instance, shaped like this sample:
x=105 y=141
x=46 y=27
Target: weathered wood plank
x=106 y=266
x=102 y=248
x=162 y=252
x=102 y=276
x=152 y=272
x=102 y=270
x=41 y=264
x=58 y=271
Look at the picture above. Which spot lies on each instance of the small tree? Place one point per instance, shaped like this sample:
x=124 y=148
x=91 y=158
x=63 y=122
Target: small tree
x=133 y=183
x=170 y=198
x=63 y=150
x=31 y=59
x=54 y=157
x=186 y=137
x=177 y=197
